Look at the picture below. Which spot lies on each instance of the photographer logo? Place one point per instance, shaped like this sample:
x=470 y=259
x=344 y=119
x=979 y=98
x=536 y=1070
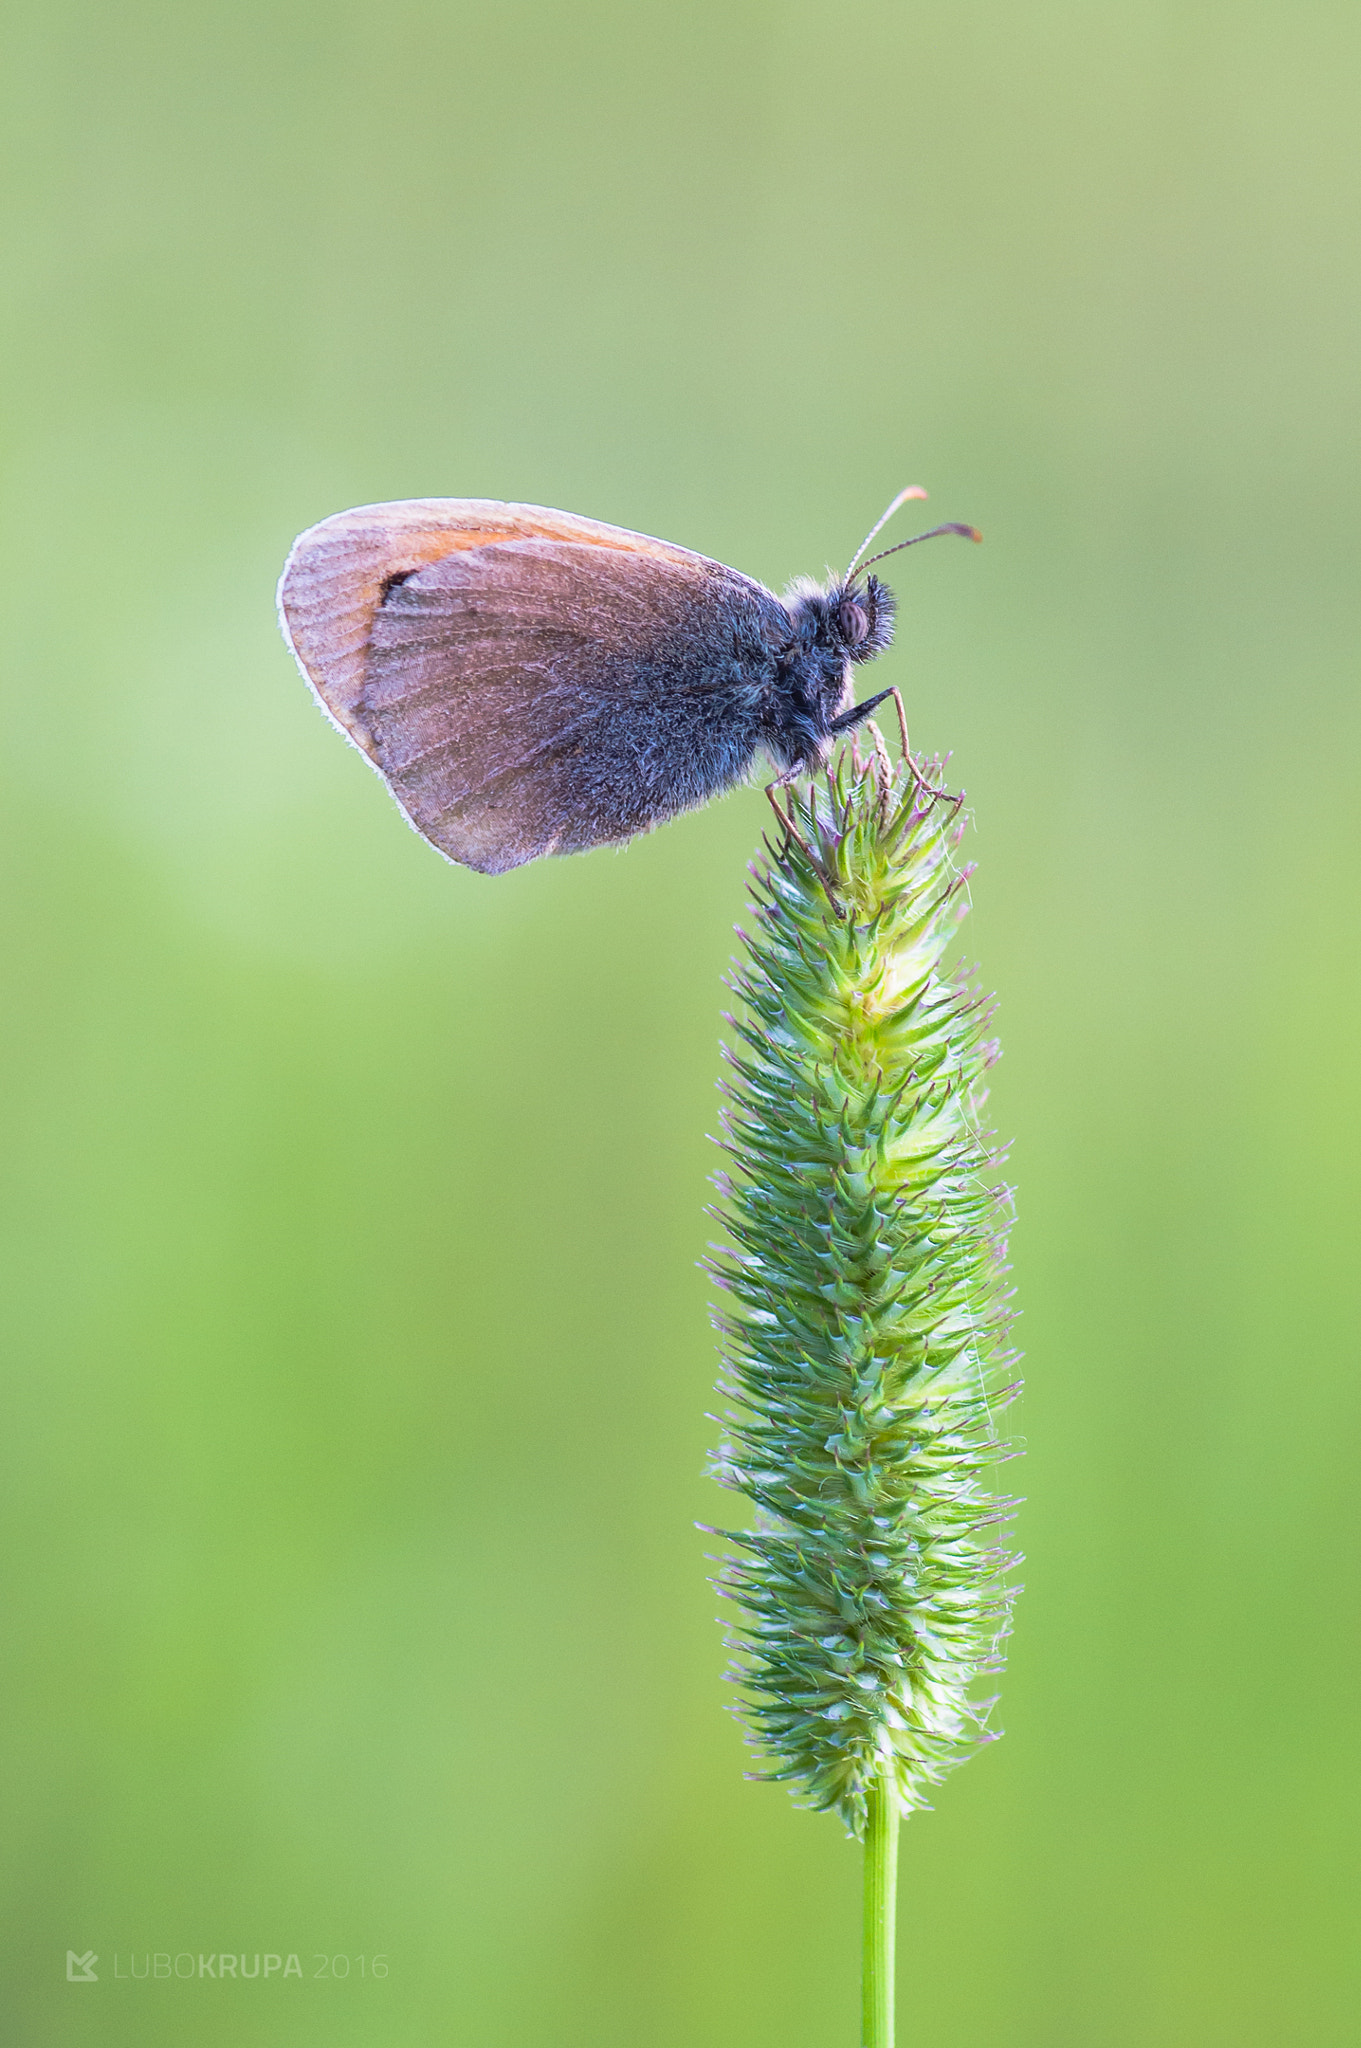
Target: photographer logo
x=163 y=1967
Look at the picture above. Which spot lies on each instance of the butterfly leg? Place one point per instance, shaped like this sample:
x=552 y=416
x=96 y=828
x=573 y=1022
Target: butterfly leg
x=897 y=697
x=850 y=719
x=792 y=831
x=926 y=788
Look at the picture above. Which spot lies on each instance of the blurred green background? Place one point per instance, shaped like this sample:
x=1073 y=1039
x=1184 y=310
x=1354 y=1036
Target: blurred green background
x=356 y=1358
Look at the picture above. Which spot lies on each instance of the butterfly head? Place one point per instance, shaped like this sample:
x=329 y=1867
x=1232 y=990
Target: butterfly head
x=861 y=617
x=851 y=620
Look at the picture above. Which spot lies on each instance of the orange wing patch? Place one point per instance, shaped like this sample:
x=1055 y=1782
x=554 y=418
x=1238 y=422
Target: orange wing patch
x=338 y=573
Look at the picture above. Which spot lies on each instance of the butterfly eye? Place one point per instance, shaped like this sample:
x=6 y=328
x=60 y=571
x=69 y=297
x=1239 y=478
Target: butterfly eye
x=851 y=621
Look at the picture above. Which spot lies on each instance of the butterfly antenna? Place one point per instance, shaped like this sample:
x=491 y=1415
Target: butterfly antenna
x=912 y=491
x=968 y=533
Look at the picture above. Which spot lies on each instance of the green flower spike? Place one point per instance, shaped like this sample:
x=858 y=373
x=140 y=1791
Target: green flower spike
x=865 y=1341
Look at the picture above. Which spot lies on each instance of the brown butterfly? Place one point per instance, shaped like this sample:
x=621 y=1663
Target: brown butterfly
x=528 y=682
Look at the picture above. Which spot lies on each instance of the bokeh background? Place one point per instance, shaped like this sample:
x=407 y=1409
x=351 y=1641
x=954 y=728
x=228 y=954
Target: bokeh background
x=355 y=1354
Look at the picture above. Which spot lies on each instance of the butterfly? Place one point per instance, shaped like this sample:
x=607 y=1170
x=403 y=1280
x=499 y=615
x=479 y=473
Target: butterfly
x=528 y=682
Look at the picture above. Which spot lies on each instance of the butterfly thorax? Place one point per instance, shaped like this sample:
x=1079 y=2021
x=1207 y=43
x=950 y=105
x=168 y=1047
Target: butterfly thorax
x=832 y=630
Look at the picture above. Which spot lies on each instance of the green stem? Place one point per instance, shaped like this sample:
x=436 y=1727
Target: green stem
x=881 y=1896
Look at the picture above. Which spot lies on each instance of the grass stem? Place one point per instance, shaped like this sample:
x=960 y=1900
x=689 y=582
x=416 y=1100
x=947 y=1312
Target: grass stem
x=881 y=1897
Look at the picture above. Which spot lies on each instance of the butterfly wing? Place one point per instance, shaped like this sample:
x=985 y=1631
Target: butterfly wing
x=338 y=573
x=527 y=682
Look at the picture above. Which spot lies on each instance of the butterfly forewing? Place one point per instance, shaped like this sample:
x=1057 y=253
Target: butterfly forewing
x=523 y=690
x=338 y=573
